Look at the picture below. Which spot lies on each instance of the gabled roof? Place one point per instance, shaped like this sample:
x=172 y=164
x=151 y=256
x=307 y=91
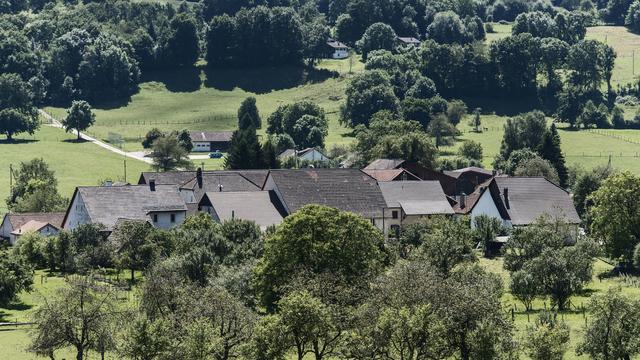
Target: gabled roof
x=336 y=44
x=345 y=189
x=33 y=225
x=20 y=219
x=390 y=175
x=384 y=164
x=299 y=153
x=530 y=197
x=472 y=169
x=167 y=177
x=107 y=204
x=225 y=180
x=257 y=206
x=416 y=197
x=409 y=40
x=206 y=136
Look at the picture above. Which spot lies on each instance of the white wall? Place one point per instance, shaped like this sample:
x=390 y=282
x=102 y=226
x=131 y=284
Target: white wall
x=188 y=196
x=78 y=214
x=164 y=219
x=5 y=230
x=201 y=146
x=486 y=206
x=340 y=54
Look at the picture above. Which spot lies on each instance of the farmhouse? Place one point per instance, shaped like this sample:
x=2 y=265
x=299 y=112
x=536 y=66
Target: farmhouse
x=518 y=201
x=205 y=141
x=261 y=207
x=409 y=202
x=194 y=189
x=336 y=50
x=15 y=225
x=160 y=205
x=311 y=155
x=344 y=189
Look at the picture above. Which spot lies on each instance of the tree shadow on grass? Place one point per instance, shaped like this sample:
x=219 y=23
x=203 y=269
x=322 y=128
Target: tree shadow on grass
x=264 y=80
x=17 y=141
x=75 y=141
x=503 y=106
x=14 y=306
x=176 y=80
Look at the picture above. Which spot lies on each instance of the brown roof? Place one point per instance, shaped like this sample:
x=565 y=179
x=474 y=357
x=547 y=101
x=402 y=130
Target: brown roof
x=390 y=175
x=18 y=220
x=211 y=136
x=32 y=225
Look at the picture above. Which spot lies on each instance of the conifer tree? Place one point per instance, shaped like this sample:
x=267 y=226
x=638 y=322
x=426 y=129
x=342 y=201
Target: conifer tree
x=550 y=150
x=245 y=151
x=248 y=114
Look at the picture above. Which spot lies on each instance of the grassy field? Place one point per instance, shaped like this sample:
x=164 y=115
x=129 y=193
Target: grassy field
x=499 y=31
x=74 y=163
x=586 y=148
x=13 y=342
x=625 y=44
x=196 y=99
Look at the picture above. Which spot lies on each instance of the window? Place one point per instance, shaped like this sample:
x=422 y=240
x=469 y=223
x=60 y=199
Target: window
x=173 y=218
x=155 y=218
x=394 y=214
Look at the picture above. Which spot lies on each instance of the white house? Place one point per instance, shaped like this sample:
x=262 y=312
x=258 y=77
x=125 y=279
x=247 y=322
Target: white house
x=309 y=154
x=408 y=42
x=160 y=205
x=337 y=50
x=15 y=225
x=518 y=201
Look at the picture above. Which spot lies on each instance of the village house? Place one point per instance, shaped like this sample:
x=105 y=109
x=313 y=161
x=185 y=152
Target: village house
x=447 y=182
x=391 y=175
x=518 y=201
x=409 y=202
x=468 y=179
x=160 y=205
x=206 y=141
x=261 y=207
x=15 y=225
x=194 y=189
x=336 y=50
x=408 y=42
x=345 y=189
x=310 y=155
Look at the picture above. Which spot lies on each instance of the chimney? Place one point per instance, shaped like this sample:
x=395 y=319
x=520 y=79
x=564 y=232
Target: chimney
x=462 y=200
x=220 y=187
x=152 y=185
x=199 y=177
x=505 y=193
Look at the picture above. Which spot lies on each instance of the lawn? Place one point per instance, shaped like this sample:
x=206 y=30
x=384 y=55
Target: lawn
x=499 y=31
x=200 y=99
x=74 y=163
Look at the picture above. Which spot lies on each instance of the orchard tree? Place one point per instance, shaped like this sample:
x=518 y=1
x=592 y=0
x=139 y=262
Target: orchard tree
x=613 y=329
x=313 y=239
x=79 y=117
x=17 y=112
x=548 y=338
x=471 y=150
x=447 y=244
x=167 y=154
x=35 y=189
x=151 y=136
x=15 y=277
x=615 y=214
x=133 y=249
x=537 y=166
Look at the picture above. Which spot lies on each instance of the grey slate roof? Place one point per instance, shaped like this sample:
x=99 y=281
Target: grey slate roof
x=107 y=204
x=384 y=164
x=18 y=220
x=345 y=189
x=456 y=173
x=255 y=206
x=531 y=197
x=207 y=136
x=229 y=180
x=167 y=177
x=416 y=197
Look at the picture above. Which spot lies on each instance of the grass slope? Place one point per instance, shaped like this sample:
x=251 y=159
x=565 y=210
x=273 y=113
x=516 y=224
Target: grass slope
x=74 y=163
x=196 y=99
x=625 y=43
